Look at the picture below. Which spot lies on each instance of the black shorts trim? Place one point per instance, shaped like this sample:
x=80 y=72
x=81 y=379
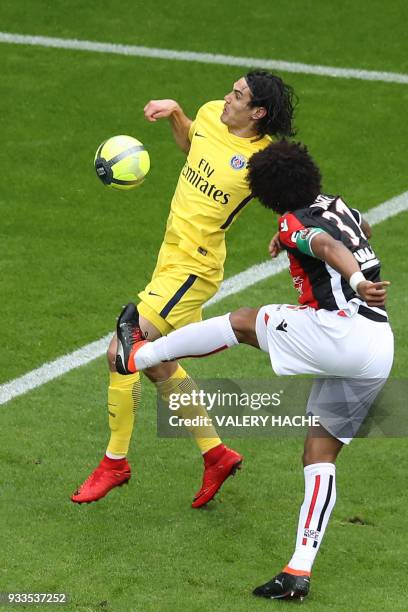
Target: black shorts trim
x=178 y=295
x=372 y=314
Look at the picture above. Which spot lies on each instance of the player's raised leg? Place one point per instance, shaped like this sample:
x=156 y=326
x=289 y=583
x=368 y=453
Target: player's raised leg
x=195 y=340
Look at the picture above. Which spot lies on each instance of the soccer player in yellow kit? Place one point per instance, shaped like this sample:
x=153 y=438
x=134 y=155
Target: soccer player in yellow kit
x=211 y=192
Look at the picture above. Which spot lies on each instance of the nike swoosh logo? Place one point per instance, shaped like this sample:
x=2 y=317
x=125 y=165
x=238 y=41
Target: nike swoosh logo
x=155 y=294
x=199 y=135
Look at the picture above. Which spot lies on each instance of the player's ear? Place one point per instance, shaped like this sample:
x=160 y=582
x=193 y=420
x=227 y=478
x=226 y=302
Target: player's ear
x=258 y=113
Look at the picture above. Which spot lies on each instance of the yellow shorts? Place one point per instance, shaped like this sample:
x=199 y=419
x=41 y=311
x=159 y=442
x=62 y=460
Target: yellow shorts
x=178 y=289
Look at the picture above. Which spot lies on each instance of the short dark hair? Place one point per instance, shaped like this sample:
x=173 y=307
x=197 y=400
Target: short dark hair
x=284 y=177
x=279 y=100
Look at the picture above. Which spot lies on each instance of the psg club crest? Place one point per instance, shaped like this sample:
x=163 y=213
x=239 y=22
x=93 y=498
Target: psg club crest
x=238 y=161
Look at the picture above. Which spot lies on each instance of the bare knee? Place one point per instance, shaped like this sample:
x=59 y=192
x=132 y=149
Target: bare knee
x=111 y=354
x=320 y=447
x=161 y=372
x=243 y=322
x=149 y=331
x=311 y=456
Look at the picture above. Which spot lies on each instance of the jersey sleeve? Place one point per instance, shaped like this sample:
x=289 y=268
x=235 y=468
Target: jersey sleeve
x=194 y=123
x=191 y=130
x=289 y=225
x=201 y=113
x=294 y=235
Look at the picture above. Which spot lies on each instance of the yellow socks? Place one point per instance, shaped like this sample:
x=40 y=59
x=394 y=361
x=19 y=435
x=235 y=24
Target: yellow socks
x=206 y=437
x=123 y=398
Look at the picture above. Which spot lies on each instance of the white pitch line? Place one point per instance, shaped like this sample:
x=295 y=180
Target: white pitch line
x=53 y=369
x=205 y=58
x=235 y=284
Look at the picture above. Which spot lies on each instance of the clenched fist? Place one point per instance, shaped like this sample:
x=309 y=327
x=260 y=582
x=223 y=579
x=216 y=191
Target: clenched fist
x=159 y=109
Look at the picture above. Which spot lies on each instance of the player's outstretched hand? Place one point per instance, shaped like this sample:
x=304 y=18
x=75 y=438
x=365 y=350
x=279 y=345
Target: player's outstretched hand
x=275 y=246
x=159 y=109
x=374 y=294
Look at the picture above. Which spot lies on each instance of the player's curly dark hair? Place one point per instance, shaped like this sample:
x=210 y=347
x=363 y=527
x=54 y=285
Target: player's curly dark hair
x=279 y=100
x=284 y=177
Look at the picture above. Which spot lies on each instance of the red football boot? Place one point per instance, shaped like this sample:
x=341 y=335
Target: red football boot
x=110 y=473
x=219 y=463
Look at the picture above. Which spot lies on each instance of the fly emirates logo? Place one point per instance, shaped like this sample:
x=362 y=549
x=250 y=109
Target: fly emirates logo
x=200 y=178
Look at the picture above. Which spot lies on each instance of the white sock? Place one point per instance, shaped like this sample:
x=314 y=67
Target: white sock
x=114 y=456
x=194 y=340
x=320 y=497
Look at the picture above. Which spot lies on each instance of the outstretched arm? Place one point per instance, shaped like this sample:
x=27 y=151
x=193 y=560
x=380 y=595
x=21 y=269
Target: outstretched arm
x=339 y=257
x=171 y=110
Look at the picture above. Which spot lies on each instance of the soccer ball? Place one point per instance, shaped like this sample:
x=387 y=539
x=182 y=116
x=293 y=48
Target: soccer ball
x=122 y=162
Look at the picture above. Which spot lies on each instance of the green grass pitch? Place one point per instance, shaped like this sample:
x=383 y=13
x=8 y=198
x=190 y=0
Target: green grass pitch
x=64 y=240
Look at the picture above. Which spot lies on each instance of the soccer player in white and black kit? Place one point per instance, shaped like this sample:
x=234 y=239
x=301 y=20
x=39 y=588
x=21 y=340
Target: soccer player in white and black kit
x=339 y=332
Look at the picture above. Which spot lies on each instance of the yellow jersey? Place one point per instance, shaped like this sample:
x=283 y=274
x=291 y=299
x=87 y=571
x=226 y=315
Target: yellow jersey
x=212 y=189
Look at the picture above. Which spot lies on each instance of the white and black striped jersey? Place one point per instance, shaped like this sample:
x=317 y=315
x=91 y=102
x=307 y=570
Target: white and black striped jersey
x=318 y=284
